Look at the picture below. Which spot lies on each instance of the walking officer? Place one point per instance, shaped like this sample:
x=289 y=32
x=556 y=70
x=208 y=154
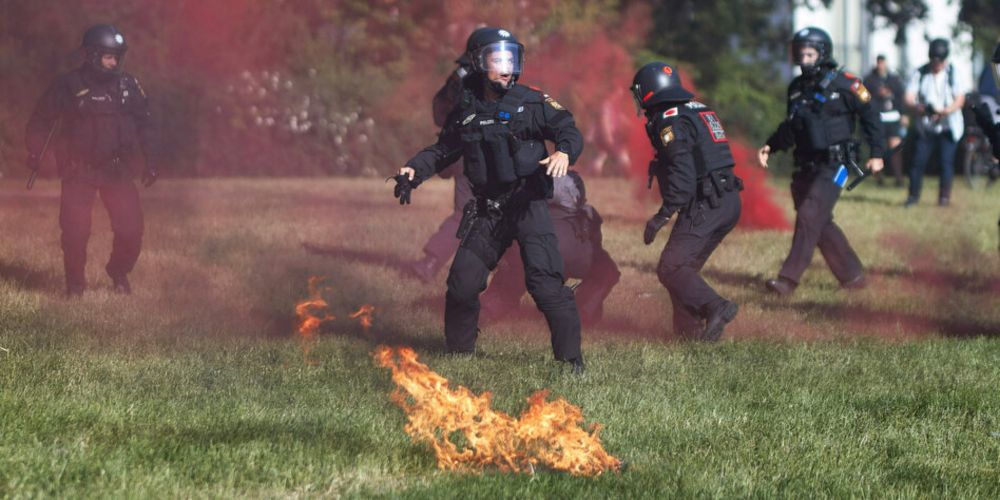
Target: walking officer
x=694 y=169
x=822 y=105
x=499 y=129
x=97 y=119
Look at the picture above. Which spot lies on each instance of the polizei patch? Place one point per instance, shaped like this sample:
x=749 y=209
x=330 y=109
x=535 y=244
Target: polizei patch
x=714 y=126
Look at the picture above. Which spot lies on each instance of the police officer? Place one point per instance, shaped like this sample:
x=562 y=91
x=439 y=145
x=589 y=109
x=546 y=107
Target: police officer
x=822 y=104
x=694 y=169
x=577 y=226
x=103 y=122
x=498 y=129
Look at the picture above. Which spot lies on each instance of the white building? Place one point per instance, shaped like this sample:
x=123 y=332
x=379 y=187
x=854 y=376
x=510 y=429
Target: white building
x=858 y=39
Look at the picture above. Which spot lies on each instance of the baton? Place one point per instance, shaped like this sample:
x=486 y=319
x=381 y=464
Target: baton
x=45 y=147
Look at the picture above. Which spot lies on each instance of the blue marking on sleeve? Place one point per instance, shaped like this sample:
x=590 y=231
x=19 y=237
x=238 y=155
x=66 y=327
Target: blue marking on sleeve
x=840 y=178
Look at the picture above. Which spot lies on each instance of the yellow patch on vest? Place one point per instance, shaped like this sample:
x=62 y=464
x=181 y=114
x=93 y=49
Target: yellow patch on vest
x=554 y=104
x=667 y=134
x=859 y=90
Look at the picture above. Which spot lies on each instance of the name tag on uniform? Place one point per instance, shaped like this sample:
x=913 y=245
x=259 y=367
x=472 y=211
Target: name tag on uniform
x=890 y=116
x=840 y=178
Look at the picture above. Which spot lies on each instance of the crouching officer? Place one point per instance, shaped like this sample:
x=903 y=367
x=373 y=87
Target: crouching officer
x=694 y=169
x=97 y=119
x=822 y=105
x=578 y=228
x=498 y=128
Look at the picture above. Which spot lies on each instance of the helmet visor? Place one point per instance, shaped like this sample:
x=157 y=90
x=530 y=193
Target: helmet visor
x=503 y=58
x=637 y=98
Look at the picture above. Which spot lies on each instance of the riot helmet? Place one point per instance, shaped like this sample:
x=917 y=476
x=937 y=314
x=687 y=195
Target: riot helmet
x=657 y=83
x=495 y=50
x=996 y=65
x=102 y=39
x=938 y=49
x=814 y=38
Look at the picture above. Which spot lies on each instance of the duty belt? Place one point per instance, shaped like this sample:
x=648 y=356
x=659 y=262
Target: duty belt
x=714 y=185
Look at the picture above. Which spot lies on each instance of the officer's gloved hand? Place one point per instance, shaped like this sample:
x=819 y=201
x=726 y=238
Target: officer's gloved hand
x=404 y=185
x=33 y=162
x=654 y=225
x=149 y=176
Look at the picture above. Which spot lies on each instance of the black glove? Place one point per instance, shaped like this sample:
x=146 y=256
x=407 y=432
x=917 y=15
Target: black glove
x=33 y=162
x=404 y=186
x=149 y=176
x=654 y=225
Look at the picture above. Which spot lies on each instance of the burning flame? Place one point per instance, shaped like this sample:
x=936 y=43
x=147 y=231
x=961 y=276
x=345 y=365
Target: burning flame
x=312 y=313
x=467 y=434
x=364 y=316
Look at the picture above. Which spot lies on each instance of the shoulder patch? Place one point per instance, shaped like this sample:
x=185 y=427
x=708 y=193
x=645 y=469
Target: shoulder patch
x=138 y=86
x=859 y=90
x=667 y=134
x=552 y=102
x=83 y=92
x=670 y=112
x=714 y=126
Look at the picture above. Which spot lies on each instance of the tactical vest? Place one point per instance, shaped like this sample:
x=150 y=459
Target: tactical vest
x=112 y=103
x=497 y=147
x=818 y=114
x=711 y=145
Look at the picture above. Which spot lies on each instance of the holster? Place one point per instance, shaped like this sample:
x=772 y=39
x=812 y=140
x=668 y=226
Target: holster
x=715 y=184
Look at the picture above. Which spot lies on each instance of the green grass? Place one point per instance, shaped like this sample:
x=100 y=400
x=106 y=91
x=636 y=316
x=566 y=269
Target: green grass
x=194 y=386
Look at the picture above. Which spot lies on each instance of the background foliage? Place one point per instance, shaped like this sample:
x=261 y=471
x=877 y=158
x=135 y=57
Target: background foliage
x=312 y=87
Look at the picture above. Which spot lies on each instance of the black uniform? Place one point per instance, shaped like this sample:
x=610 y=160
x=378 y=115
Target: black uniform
x=693 y=167
x=104 y=126
x=820 y=124
x=577 y=226
x=501 y=143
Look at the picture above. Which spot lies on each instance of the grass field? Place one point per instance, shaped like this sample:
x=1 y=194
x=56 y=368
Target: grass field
x=195 y=386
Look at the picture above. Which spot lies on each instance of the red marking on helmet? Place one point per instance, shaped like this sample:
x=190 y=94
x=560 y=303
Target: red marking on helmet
x=668 y=70
x=647 y=96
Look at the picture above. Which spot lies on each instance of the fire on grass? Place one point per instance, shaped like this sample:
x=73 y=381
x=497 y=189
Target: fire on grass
x=467 y=434
x=314 y=311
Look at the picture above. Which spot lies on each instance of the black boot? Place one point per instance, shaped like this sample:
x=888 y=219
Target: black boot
x=578 y=365
x=717 y=319
x=121 y=285
x=781 y=286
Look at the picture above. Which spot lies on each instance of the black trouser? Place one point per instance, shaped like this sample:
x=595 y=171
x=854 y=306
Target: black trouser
x=814 y=194
x=121 y=199
x=583 y=260
x=479 y=254
x=442 y=244
x=696 y=234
